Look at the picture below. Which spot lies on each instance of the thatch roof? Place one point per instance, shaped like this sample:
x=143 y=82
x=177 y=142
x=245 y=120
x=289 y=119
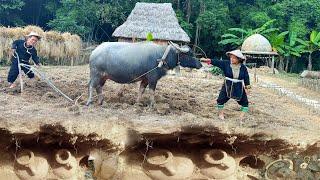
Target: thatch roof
x=156 y=18
x=257 y=44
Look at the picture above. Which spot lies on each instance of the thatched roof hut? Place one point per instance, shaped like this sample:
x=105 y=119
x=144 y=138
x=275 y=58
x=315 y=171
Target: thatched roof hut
x=156 y=18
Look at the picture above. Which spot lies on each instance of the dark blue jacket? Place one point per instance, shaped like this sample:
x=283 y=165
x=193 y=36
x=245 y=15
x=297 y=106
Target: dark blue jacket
x=25 y=52
x=227 y=70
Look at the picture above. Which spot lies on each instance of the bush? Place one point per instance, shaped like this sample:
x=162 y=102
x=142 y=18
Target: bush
x=215 y=71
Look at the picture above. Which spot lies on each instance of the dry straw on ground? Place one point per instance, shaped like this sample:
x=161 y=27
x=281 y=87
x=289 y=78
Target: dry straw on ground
x=63 y=48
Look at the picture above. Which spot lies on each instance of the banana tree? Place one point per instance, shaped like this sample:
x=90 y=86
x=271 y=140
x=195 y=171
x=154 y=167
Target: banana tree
x=293 y=48
x=277 y=41
x=236 y=36
x=312 y=45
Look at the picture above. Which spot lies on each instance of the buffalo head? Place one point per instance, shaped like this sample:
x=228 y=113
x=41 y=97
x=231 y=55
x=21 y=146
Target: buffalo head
x=186 y=57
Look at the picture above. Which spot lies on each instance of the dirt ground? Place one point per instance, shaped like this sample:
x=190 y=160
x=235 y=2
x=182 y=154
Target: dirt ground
x=184 y=117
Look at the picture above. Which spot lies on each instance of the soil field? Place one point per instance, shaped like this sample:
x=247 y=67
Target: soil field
x=119 y=134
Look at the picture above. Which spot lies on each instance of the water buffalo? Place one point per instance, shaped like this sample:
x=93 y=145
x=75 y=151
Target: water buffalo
x=125 y=62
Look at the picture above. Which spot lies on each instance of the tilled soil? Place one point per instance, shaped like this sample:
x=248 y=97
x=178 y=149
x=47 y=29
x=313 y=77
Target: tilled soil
x=184 y=117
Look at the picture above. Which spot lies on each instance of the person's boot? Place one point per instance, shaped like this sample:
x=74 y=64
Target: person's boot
x=220 y=111
x=244 y=110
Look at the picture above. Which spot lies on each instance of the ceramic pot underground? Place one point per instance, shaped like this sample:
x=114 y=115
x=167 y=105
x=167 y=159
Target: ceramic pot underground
x=65 y=165
x=162 y=165
x=219 y=165
x=31 y=167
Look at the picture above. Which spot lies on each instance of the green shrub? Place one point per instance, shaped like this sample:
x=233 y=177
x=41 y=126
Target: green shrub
x=215 y=71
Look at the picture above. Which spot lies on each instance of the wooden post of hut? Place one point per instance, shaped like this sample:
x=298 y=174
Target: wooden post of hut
x=272 y=65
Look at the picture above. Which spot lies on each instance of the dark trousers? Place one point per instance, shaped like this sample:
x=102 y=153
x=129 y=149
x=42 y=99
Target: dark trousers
x=223 y=98
x=14 y=71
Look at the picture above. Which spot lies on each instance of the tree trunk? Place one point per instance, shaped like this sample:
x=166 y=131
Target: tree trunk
x=178 y=4
x=196 y=39
x=294 y=60
x=280 y=66
x=198 y=28
x=287 y=64
x=188 y=10
x=310 y=62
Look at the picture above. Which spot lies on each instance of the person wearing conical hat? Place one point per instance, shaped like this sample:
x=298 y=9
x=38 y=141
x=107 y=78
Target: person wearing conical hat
x=23 y=50
x=237 y=82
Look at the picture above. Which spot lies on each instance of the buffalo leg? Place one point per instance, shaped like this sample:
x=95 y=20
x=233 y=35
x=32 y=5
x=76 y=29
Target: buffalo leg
x=99 y=89
x=90 y=92
x=142 y=88
x=152 y=87
x=93 y=83
x=100 y=94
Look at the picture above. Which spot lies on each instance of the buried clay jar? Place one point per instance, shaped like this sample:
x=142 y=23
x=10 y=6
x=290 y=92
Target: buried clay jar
x=31 y=167
x=218 y=165
x=162 y=165
x=66 y=165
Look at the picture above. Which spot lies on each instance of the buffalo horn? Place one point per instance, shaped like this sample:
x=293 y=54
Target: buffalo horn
x=181 y=49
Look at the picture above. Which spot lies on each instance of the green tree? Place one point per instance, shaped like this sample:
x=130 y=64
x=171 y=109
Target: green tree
x=77 y=17
x=312 y=45
x=277 y=41
x=89 y=18
x=113 y=14
x=255 y=18
x=288 y=46
x=297 y=15
x=236 y=36
x=293 y=48
x=8 y=12
x=187 y=27
x=212 y=21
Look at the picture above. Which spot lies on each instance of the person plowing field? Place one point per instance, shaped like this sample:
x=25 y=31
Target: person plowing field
x=237 y=82
x=22 y=50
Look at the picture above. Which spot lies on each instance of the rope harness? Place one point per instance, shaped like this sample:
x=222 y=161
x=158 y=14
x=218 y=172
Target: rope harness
x=27 y=49
x=161 y=61
x=43 y=77
x=39 y=74
x=231 y=90
x=19 y=69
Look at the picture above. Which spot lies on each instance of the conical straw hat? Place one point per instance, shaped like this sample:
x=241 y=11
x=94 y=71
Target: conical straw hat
x=237 y=53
